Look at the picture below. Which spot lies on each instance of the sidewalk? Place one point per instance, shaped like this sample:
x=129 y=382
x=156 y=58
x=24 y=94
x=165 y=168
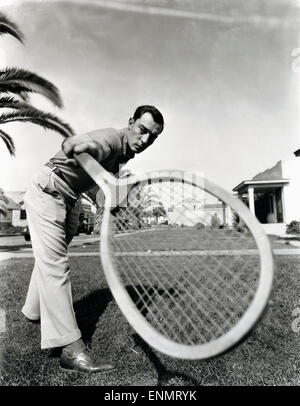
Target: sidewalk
x=18 y=242
x=277 y=252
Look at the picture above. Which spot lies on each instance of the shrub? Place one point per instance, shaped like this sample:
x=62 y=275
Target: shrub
x=199 y=226
x=11 y=230
x=239 y=225
x=293 y=227
x=215 y=222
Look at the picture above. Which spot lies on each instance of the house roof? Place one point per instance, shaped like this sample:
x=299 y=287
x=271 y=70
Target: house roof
x=16 y=196
x=273 y=173
x=297 y=153
x=14 y=200
x=213 y=206
x=270 y=177
x=11 y=205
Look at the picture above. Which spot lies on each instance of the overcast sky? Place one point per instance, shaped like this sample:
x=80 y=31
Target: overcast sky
x=220 y=72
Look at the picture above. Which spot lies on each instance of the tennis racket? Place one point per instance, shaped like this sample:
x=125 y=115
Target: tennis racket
x=187 y=263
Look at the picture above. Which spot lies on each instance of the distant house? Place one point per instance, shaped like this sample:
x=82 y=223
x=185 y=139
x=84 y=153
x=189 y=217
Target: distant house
x=16 y=214
x=274 y=194
x=191 y=211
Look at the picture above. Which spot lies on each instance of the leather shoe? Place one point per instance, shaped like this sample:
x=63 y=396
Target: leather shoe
x=82 y=361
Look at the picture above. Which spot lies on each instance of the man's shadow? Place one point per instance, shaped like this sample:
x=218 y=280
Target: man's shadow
x=88 y=312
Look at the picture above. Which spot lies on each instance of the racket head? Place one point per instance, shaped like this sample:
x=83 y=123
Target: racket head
x=191 y=290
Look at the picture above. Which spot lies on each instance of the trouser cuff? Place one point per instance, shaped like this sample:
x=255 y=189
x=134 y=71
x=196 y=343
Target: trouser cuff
x=61 y=341
x=30 y=316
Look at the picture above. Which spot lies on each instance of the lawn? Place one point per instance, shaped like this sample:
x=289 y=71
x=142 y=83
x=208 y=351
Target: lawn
x=269 y=355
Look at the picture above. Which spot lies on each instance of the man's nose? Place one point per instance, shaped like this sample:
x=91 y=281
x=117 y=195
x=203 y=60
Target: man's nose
x=145 y=138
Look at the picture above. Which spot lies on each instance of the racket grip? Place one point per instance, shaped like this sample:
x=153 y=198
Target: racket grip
x=93 y=168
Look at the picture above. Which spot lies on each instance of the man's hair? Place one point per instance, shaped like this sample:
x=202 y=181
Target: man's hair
x=156 y=114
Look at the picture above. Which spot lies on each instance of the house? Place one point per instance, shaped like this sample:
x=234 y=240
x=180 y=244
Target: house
x=16 y=214
x=273 y=195
x=186 y=205
x=191 y=211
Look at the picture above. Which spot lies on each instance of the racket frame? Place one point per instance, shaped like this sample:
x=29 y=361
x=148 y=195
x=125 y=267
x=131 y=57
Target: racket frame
x=109 y=185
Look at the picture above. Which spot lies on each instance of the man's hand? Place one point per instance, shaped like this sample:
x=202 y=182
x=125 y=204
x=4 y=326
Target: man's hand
x=81 y=143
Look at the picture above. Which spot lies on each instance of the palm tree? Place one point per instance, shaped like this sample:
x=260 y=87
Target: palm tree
x=159 y=211
x=8 y=27
x=15 y=87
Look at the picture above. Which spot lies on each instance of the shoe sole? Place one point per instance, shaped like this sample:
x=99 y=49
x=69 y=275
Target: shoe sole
x=79 y=371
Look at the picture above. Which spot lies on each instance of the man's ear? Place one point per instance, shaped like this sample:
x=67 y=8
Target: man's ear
x=130 y=122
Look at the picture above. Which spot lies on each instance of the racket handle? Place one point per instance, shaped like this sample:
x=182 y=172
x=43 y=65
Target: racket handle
x=93 y=168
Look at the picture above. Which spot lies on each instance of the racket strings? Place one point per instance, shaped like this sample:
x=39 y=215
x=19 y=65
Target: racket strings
x=209 y=297
x=206 y=221
x=145 y=306
x=194 y=294
x=232 y=274
x=141 y=303
x=166 y=290
x=194 y=301
x=221 y=282
x=187 y=295
x=221 y=265
x=225 y=269
x=162 y=323
x=190 y=194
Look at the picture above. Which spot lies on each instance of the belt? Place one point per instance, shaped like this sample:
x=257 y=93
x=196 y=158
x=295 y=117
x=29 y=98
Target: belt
x=57 y=172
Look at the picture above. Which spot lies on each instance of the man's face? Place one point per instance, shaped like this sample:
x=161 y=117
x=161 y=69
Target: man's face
x=142 y=132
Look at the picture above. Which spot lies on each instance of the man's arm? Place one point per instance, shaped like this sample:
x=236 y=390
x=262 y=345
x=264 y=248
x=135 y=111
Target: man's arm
x=95 y=143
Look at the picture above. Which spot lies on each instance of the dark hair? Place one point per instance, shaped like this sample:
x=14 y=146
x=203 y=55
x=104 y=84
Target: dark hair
x=156 y=114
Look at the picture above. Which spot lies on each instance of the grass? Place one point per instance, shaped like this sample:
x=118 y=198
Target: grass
x=268 y=356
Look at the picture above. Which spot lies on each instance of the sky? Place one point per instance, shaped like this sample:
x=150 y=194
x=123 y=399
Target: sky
x=220 y=71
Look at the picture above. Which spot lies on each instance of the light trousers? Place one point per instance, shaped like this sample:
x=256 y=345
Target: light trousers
x=52 y=212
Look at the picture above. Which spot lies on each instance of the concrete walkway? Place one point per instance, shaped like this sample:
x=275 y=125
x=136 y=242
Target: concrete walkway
x=278 y=252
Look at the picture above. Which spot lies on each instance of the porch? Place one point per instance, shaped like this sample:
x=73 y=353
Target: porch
x=265 y=199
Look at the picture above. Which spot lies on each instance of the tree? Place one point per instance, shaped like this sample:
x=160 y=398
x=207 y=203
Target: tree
x=15 y=87
x=159 y=211
x=215 y=222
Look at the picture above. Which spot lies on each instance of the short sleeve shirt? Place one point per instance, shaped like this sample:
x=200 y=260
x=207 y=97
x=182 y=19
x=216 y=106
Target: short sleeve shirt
x=114 y=152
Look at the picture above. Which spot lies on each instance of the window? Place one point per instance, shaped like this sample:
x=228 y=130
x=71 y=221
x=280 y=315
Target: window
x=23 y=215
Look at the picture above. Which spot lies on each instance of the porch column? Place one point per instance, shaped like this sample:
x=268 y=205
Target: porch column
x=224 y=213
x=274 y=205
x=251 y=199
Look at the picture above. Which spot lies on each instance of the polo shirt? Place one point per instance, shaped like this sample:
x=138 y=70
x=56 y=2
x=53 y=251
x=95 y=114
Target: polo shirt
x=114 y=152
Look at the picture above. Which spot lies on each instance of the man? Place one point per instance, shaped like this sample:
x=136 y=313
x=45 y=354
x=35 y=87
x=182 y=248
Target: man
x=51 y=204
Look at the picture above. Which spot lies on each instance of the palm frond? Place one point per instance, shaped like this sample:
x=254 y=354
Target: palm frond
x=8 y=27
x=24 y=96
x=8 y=142
x=35 y=116
x=12 y=103
x=20 y=81
x=13 y=87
